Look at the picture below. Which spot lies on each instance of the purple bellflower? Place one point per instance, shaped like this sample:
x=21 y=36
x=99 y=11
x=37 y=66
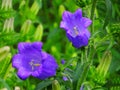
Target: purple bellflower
x=65 y=78
x=76 y=28
x=63 y=61
x=32 y=61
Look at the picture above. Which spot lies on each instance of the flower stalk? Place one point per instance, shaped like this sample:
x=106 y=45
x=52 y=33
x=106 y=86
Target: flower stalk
x=92 y=15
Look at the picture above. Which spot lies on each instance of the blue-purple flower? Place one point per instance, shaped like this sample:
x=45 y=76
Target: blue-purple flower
x=65 y=78
x=76 y=27
x=32 y=61
x=63 y=61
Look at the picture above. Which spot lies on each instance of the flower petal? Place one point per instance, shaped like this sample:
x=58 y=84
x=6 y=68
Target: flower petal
x=29 y=48
x=49 y=67
x=64 y=26
x=78 y=41
x=86 y=21
x=50 y=62
x=23 y=73
x=87 y=32
x=23 y=46
x=78 y=14
x=67 y=16
x=37 y=72
x=17 y=61
x=37 y=45
x=67 y=20
x=44 y=55
x=46 y=74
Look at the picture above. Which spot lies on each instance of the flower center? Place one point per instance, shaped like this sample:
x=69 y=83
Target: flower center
x=34 y=64
x=76 y=30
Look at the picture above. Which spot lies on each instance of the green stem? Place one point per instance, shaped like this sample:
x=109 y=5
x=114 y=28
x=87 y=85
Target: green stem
x=27 y=84
x=92 y=15
x=83 y=77
x=92 y=48
x=84 y=58
x=88 y=60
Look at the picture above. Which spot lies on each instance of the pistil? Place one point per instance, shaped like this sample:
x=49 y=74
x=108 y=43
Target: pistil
x=34 y=64
x=76 y=30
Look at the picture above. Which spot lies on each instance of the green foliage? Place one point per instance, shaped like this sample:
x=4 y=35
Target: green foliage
x=94 y=67
x=43 y=84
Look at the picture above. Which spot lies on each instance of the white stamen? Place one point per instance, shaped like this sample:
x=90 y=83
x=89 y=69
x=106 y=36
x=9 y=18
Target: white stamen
x=33 y=64
x=76 y=30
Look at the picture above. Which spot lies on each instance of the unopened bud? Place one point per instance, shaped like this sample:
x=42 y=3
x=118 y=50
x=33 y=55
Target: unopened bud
x=8 y=25
x=55 y=85
x=36 y=6
x=38 y=33
x=6 y=4
x=61 y=10
x=26 y=27
x=103 y=67
x=4 y=51
x=22 y=3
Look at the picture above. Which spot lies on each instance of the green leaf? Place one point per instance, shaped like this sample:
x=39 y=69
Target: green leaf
x=4 y=83
x=43 y=84
x=108 y=13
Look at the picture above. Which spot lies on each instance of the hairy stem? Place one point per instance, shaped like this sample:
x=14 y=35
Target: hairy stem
x=92 y=15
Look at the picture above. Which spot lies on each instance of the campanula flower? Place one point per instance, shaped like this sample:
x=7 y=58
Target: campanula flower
x=76 y=28
x=65 y=78
x=63 y=61
x=32 y=61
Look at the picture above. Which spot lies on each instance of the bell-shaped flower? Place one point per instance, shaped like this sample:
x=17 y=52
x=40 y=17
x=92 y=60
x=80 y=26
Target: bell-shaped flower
x=76 y=28
x=32 y=61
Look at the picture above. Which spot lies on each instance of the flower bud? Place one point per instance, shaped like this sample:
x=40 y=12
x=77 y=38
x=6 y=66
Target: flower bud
x=36 y=6
x=103 y=67
x=26 y=27
x=38 y=33
x=4 y=51
x=22 y=3
x=55 y=85
x=61 y=10
x=6 y=4
x=8 y=25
